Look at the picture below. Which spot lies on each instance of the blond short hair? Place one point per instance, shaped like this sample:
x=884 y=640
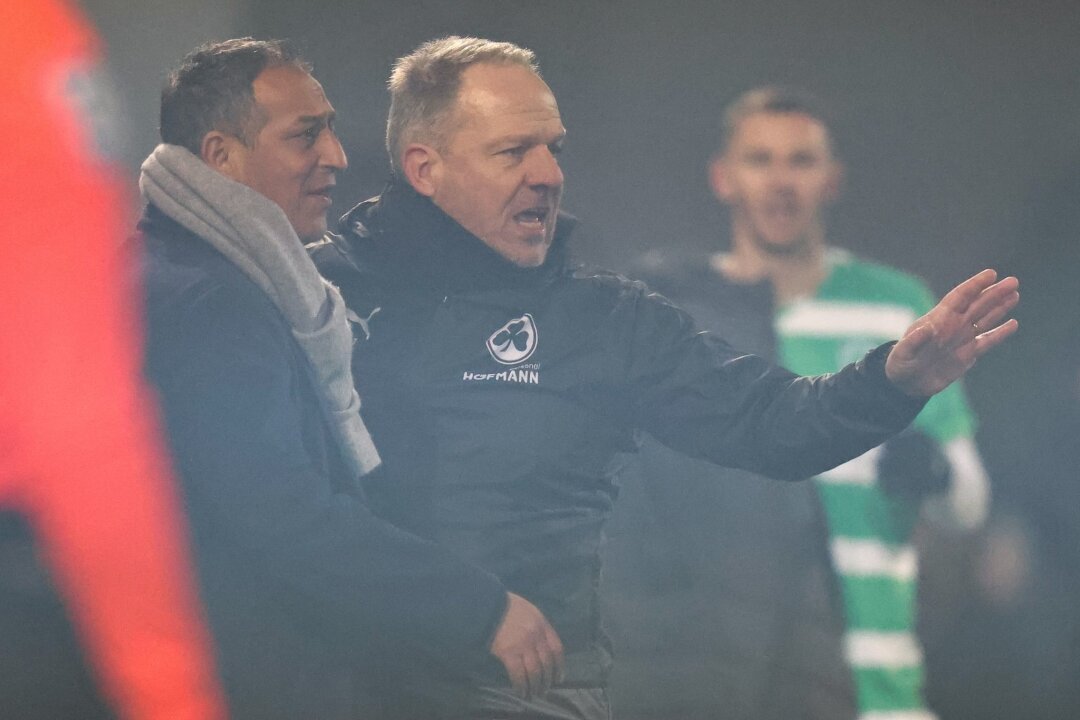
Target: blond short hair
x=773 y=100
x=424 y=85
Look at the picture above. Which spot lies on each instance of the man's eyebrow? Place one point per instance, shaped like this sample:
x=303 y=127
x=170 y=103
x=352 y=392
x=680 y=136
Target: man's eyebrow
x=530 y=138
x=325 y=118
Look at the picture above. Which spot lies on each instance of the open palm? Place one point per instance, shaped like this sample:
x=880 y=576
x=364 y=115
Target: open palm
x=944 y=343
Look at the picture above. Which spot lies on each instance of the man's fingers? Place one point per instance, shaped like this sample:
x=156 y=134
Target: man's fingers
x=534 y=675
x=551 y=657
x=544 y=667
x=528 y=647
x=992 y=338
x=515 y=668
x=537 y=673
x=1000 y=294
x=543 y=664
x=963 y=295
x=547 y=665
x=558 y=660
x=990 y=319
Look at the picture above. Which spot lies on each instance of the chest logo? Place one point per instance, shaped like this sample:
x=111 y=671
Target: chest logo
x=514 y=342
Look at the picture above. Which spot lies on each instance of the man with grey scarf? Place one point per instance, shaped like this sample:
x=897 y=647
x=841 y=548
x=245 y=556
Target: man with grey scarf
x=310 y=597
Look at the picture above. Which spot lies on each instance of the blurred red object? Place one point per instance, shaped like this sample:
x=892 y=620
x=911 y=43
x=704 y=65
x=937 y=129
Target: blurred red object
x=80 y=452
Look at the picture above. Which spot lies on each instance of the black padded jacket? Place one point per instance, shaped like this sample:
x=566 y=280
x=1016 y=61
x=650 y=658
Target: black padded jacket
x=309 y=595
x=500 y=397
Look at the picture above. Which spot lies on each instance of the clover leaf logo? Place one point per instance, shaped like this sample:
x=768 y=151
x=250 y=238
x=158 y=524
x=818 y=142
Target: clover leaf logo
x=514 y=342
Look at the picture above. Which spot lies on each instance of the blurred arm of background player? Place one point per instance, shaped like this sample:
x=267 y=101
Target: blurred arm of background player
x=949 y=477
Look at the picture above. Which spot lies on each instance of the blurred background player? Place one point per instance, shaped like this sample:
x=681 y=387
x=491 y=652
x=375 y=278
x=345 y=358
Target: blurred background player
x=84 y=488
x=787 y=601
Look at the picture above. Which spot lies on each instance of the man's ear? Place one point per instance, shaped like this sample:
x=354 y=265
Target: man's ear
x=719 y=181
x=422 y=166
x=219 y=151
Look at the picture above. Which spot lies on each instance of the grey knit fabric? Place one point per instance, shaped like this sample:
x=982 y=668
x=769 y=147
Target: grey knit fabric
x=254 y=234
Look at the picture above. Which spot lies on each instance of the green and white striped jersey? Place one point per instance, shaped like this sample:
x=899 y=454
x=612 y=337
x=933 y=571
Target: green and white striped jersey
x=859 y=306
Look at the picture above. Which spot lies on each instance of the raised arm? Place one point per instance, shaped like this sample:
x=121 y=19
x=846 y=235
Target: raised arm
x=701 y=396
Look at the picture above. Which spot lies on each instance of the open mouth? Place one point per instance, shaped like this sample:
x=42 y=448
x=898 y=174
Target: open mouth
x=782 y=211
x=535 y=217
x=325 y=194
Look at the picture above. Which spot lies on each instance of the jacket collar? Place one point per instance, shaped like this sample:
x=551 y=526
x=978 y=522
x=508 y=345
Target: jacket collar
x=408 y=240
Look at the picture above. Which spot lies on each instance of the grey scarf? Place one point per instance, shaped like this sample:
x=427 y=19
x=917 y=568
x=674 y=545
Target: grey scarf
x=254 y=234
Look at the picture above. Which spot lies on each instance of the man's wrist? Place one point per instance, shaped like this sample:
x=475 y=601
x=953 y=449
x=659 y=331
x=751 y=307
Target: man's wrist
x=873 y=366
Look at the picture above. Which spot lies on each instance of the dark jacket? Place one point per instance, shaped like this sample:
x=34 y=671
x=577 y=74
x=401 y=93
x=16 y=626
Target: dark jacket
x=499 y=397
x=305 y=589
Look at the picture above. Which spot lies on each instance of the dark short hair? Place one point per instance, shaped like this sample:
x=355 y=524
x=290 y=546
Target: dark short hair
x=424 y=85
x=773 y=99
x=212 y=90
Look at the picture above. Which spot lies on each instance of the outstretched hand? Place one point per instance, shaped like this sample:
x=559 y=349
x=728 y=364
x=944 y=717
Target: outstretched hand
x=528 y=648
x=944 y=343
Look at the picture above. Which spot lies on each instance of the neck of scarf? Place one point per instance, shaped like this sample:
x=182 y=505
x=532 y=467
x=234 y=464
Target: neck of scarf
x=253 y=233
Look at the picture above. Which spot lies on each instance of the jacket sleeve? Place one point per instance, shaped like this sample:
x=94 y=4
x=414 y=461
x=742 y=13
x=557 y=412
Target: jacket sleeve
x=700 y=396
x=229 y=382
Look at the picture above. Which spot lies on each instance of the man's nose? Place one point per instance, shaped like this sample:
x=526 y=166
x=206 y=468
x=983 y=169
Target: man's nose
x=331 y=153
x=544 y=170
x=781 y=175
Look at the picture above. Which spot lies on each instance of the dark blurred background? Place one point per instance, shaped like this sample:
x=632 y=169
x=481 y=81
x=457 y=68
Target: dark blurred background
x=959 y=123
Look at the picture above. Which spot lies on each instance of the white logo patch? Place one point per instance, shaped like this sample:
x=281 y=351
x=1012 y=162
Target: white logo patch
x=514 y=342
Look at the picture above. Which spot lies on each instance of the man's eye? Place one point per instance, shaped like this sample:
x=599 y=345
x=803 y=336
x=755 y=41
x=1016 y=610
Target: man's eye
x=555 y=148
x=516 y=151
